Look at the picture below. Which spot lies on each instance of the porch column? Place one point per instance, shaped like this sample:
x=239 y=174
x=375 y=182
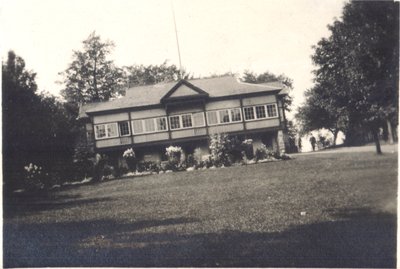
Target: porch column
x=281 y=141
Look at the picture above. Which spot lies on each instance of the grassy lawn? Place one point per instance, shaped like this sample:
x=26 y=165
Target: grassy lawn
x=322 y=210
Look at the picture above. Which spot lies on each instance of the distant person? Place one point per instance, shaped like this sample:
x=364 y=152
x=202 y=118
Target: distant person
x=299 y=144
x=313 y=142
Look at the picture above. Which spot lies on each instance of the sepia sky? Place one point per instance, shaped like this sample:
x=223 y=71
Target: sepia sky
x=215 y=36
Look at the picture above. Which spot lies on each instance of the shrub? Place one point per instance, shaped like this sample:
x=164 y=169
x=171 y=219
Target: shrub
x=197 y=155
x=174 y=155
x=108 y=172
x=220 y=146
x=263 y=153
x=235 y=149
x=130 y=158
x=99 y=165
x=34 y=177
x=149 y=166
x=190 y=161
x=247 y=147
x=207 y=163
x=83 y=162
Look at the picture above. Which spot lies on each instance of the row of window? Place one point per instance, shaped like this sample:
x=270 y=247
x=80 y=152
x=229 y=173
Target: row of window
x=184 y=121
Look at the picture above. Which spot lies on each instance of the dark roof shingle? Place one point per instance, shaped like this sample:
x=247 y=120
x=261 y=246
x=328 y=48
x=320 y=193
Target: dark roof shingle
x=152 y=94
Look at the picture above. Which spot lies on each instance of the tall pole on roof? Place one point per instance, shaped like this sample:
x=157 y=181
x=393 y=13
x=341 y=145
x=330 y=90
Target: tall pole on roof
x=177 y=40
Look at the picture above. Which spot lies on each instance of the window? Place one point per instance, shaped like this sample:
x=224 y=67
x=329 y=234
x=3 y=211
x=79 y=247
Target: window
x=198 y=119
x=106 y=130
x=236 y=115
x=137 y=126
x=149 y=125
x=174 y=122
x=124 y=128
x=212 y=117
x=248 y=113
x=260 y=112
x=186 y=121
x=112 y=130
x=224 y=116
x=272 y=111
x=100 y=131
x=161 y=124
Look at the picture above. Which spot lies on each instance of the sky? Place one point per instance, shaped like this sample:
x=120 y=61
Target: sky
x=215 y=36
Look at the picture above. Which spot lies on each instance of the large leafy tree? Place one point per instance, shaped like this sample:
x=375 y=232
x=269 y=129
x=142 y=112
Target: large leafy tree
x=92 y=76
x=266 y=77
x=19 y=102
x=36 y=127
x=139 y=75
x=319 y=112
x=357 y=66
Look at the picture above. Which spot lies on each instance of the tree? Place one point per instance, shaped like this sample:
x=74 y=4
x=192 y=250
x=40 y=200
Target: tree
x=318 y=112
x=91 y=76
x=36 y=127
x=358 y=65
x=251 y=77
x=18 y=101
x=139 y=75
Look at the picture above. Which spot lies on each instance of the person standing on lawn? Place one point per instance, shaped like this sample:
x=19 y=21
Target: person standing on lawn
x=313 y=142
x=299 y=144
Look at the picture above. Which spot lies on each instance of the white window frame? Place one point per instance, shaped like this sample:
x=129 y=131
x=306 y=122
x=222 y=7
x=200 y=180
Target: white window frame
x=254 y=113
x=191 y=121
x=266 y=112
x=276 y=110
x=204 y=119
x=181 y=121
x=229 y=114
x=129 y=128
x=166 y=124
x=156 y=130
x=208 y=118
x=106 y=130
x=133 y=129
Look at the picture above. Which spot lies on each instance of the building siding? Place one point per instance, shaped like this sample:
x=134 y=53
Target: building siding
x=222 y=104
x=182 y=109
x=188 y=133
x=149 y=113
x=110 y=118
x=112 y=142
x=226 y=128
x=259 y=100
x=150 y=137
x=262 y=124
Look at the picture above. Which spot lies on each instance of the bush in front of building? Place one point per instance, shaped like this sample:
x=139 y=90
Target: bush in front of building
x=220 y=145
x=130 y=158
x=149 y=166
x=174 y=155
x=263 y=153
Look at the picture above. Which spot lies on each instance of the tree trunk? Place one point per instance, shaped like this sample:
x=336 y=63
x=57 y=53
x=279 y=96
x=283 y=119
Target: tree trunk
x=390 y=132
x=335 y=133
x=377 y=143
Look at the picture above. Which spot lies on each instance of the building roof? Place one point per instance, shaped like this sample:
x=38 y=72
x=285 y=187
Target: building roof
x=151 y=95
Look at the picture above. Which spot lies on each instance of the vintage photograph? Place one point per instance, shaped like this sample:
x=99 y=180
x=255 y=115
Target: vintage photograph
x=201 y=133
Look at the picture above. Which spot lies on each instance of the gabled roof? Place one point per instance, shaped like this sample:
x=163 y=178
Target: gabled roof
x=183 y=89
x=143 y=96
